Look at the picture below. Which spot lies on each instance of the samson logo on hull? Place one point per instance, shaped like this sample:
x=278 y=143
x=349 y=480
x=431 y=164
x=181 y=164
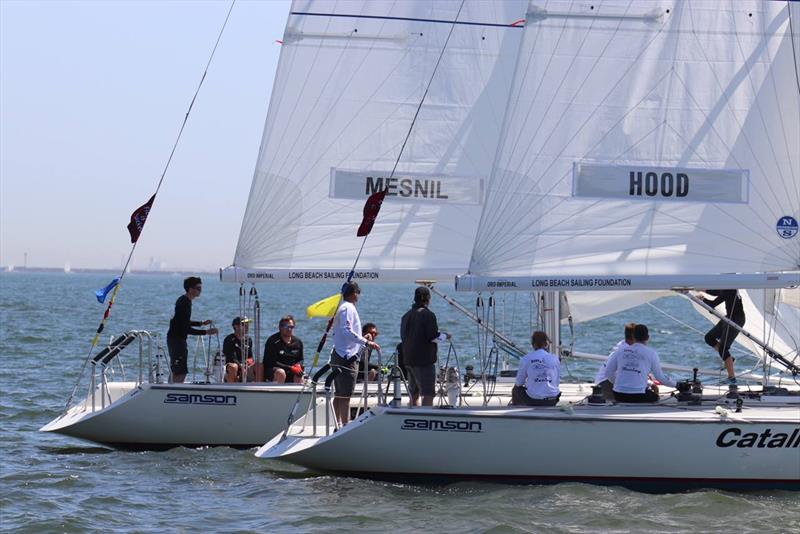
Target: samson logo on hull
x=194 y=398
x=441 y=426
x=735 y=437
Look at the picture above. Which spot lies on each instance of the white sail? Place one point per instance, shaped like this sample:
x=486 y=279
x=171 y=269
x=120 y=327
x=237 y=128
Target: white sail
x=350 y=78
x=651 y=140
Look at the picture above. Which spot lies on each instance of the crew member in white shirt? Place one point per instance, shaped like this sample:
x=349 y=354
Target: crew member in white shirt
x=347 y=342
x=539 y=375
x=631 y=366
x=601 y=378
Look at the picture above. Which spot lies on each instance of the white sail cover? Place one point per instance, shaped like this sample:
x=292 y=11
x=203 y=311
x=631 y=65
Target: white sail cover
x=648 y=139
x=350 y=79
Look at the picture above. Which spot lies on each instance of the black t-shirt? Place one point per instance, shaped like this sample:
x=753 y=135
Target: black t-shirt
x=418 y=329
x=278 y=353
x=733 y=304
x=181 y=323
x=232 y=348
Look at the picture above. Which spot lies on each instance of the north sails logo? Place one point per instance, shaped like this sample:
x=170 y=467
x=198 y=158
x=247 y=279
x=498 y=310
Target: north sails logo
x=734 y=437
x=441 y=426
x=193 y=398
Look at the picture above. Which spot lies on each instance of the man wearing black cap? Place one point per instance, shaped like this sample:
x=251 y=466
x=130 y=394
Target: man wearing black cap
x=232 y=349
x=347 y=344
x=419 y=332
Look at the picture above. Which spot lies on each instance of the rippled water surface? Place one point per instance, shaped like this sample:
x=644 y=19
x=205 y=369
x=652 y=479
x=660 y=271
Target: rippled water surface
x=51 y=483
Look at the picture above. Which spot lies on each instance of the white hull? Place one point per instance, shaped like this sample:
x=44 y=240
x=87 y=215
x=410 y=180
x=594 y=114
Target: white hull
x=167 y=415
x=159 y=416
x=621 y=444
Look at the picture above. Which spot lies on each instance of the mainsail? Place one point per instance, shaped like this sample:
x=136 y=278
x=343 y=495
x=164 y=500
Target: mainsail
x=350 y=79
x=650 y=140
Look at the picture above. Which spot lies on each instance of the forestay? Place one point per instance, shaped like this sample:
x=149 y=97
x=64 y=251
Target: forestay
x=350 y=78
x=647 y=145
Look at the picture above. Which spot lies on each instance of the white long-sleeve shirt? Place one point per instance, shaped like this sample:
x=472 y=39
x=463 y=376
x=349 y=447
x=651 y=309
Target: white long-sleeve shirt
x=630 y=366
x=347 y=338
x=540 y=373
x=601 y=373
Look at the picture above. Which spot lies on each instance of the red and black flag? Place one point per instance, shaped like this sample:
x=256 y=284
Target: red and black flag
x=371 y=209
x=138 y=218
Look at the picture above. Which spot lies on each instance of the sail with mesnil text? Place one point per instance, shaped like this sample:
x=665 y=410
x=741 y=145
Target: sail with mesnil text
x=345 y=121
x=650 y=140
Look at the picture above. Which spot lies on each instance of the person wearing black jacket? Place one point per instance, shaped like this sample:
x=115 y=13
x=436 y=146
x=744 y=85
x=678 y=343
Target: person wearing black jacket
x=721 y=336
x=419 y=332
x=181 y=326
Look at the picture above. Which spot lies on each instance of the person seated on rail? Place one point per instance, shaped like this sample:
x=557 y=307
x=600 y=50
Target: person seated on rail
x=631 y=366
x=538 y=377
x=601 y=379
x=283 y=354
x=370 y=332
x=232 y=349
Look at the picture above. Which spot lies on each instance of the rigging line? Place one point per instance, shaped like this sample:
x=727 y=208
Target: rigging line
x=408 y=19
x=736 y=348
x=732 y=113
x=413 y=121
x=792 y=35
x=180 y=132
x=430 y=81
x=752 y=59
x=568 y=106
x=158 y=186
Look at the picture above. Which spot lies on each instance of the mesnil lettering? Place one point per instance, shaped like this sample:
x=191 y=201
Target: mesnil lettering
x=373 y=185
x=405 y=187
x=421 y=188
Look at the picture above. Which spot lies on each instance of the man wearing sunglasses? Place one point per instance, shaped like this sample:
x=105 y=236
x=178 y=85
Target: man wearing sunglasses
x=181 y=326
x=283 y=354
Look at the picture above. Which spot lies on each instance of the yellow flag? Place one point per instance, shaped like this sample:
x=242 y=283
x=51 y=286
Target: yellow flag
x=325 y=307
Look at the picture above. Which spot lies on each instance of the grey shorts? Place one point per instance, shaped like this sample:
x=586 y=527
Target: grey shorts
x=345 y=381
x=422 y=380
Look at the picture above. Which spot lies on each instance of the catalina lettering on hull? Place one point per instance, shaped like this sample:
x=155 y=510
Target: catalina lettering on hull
x=735 y=437
x=407 y=187
x=643 y=183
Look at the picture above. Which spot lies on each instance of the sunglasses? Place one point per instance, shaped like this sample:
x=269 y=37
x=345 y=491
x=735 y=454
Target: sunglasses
x=198 y=288
x=289 y=326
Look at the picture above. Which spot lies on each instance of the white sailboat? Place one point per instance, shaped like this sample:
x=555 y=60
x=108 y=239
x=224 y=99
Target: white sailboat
x=344 y=96
x=645 y=147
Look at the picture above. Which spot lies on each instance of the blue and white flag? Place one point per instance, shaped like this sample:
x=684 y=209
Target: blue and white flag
x=101 y=294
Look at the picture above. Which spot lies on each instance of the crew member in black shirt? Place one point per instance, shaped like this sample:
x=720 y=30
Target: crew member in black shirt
x=419 y=332
x=283 y=354
x=180 y=326
x=722 y=335
x=232 y=349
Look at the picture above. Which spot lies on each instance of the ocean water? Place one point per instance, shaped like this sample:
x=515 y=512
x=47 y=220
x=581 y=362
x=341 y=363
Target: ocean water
x=50 y=483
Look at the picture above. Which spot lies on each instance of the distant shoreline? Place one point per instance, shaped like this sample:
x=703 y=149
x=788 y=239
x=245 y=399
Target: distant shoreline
x=82 y=270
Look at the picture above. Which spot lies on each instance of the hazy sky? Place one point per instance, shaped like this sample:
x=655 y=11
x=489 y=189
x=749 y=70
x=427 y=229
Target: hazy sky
x=92 y=95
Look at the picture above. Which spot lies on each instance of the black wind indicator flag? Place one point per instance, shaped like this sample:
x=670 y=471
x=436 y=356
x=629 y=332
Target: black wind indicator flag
x=371 y=209
x=138 y=218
